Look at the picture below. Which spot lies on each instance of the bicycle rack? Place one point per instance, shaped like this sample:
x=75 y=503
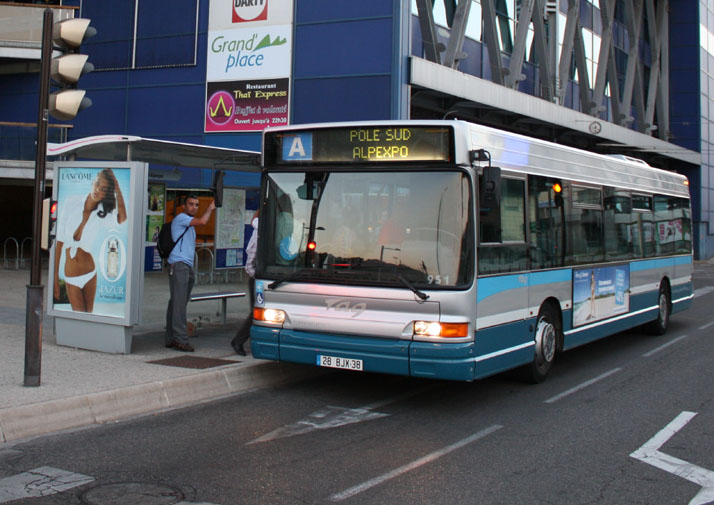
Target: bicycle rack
x=22 y=250
x=17 y=253
x=209 y=274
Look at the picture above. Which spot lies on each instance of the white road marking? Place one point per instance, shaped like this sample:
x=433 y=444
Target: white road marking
x=663 y=346
x=650 y=454
x=43 y=481
x=706 y=326
x=348 y=493
x=333 y=417
x=323 y=419
x=582 y=386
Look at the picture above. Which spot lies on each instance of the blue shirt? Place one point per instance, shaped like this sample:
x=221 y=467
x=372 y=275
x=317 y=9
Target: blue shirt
x=186 y=247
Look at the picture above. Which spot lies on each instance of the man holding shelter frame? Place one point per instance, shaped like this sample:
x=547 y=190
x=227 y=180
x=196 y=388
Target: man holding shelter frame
x=181 y=271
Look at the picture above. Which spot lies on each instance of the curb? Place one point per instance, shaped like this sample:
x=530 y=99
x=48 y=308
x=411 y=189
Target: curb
x=113 y=405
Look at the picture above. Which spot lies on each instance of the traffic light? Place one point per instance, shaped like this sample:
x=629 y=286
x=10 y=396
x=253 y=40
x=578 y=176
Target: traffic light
x=66 y=70
x=49 y=220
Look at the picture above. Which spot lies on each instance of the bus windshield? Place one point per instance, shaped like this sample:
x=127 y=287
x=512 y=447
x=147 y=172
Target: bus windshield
x=395 y=229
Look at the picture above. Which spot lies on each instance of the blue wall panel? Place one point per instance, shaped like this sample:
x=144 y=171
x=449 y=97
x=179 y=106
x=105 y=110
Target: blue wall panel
x=329 y=10
x=18 y=98
x=165 y=110
x=684 y=72
x=345 y=48
x=344 y=61
x=342 y=99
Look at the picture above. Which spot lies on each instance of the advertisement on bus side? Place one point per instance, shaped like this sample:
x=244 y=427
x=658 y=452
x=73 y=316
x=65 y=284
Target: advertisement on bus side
x=600 y=293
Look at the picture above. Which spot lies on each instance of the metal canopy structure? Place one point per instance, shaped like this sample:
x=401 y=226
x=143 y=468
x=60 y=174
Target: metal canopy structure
x=621 y=88
x=453 y=94
x=163 y=152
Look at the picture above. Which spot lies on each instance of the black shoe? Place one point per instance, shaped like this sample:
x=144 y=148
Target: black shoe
x=239 y=349
x=182 y=347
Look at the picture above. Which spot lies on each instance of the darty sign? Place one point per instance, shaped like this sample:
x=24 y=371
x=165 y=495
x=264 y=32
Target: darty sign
x=250 y=10
x=248 y=53
x=226 y=14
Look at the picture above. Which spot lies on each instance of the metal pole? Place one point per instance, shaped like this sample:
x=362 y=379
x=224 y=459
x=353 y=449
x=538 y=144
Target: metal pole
x=35 y=290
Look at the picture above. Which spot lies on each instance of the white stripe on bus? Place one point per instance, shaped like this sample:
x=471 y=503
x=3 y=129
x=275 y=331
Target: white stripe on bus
x=508 y=317
x=484 y=357
x=612 y=319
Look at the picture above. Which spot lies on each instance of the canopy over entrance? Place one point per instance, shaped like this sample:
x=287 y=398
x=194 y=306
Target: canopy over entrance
x=163 y=152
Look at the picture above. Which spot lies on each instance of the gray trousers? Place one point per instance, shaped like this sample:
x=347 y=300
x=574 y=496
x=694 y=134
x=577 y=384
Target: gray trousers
x=181 y=281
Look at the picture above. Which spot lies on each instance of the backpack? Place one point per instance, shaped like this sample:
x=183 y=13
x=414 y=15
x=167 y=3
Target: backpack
x=165 y=244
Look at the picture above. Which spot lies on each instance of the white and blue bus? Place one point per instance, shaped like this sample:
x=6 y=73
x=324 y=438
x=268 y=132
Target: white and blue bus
x=452 y=250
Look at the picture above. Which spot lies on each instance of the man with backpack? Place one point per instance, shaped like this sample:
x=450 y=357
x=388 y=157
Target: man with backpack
x=181 y=273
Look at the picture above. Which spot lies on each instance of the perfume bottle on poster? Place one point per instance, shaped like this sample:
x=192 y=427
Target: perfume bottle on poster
x=113 y=259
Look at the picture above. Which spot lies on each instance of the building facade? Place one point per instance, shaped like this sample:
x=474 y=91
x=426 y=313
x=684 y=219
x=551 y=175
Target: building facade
x=625 y=77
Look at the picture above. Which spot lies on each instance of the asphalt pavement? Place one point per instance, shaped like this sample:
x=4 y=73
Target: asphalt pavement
x=81 y=388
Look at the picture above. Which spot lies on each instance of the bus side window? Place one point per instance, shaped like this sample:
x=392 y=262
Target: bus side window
x=584 y=224
x=502 y=233
x=643 y=226
x=616 y=224
x=668 y=230
x=683 y=213
x=546 y=216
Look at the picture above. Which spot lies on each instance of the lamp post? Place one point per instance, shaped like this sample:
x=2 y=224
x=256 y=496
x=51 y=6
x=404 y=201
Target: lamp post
x=35 y=290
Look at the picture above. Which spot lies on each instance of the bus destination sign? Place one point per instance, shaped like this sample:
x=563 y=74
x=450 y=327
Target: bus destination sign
x=383 y=144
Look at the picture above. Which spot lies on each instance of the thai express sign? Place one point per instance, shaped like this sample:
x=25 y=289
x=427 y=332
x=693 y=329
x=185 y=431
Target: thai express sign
x=248 y=64
x=246 y=105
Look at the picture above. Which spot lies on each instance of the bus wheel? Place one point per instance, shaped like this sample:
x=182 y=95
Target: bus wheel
x=659 y=326
x=546 y=339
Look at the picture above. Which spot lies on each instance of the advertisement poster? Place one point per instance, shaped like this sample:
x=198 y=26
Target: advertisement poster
x=153 y=227
x=155 y=210
x=670 y=231
x=246 y=105
x=90 y=273
x=230 y=229
x=157 y=196
x=600 y=293
x=248 y=65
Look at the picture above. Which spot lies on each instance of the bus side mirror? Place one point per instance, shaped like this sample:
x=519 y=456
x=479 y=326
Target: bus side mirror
x=490 y=189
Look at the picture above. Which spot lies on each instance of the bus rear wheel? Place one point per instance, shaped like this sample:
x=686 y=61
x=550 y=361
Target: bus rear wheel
x=659 y=326
x=546 y=341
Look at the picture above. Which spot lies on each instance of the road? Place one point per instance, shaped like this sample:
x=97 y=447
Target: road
x=627 y=420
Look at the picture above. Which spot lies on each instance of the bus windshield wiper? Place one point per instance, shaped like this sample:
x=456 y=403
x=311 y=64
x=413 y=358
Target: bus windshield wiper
x=422 y=296
x=290 y=277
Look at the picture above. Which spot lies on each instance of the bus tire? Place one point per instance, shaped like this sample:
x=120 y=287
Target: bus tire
x=659 y=326
x=546 y=339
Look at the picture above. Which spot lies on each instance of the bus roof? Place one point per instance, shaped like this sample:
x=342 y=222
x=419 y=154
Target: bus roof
x=520 y=153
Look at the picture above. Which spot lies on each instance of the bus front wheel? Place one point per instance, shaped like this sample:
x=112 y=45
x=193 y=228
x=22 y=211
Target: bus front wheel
x=659 y=326
x=546 y=341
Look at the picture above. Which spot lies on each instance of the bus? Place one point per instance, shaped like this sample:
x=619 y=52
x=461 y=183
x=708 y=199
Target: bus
x=451 y=250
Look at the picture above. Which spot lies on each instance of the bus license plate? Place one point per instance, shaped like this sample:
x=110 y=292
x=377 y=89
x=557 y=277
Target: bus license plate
x=343 y=363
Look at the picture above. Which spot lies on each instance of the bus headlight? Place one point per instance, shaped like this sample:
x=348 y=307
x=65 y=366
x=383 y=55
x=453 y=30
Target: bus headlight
x=275 y=316
x=444 y=330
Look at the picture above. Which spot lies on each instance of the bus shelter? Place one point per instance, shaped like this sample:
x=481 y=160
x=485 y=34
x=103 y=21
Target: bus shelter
x=116 y=236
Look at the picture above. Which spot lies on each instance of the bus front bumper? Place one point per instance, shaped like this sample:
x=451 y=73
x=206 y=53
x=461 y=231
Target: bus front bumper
x=452 y=361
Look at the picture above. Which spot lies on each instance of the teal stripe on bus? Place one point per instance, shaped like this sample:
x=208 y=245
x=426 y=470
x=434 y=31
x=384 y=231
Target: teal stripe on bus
x=637 y=266
x=489 y=286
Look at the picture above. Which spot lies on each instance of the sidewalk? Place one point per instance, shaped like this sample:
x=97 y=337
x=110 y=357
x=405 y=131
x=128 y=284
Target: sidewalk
x=79 y=388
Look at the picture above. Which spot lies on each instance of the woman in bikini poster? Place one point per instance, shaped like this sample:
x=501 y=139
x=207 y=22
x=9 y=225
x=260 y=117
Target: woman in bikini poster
x=91 y=245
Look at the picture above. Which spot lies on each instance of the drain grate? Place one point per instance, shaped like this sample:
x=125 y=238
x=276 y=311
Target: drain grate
x=193 y=362
x=137 y=493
